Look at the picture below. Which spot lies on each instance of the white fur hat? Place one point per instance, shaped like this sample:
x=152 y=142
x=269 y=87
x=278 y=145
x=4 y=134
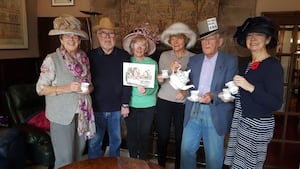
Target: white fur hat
x=178 y=28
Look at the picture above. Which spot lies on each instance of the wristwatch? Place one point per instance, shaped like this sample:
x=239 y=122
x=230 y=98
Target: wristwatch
x=125 y=105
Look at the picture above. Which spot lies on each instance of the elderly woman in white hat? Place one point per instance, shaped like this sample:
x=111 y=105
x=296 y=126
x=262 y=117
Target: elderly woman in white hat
x=68 y=106
x=170 y=103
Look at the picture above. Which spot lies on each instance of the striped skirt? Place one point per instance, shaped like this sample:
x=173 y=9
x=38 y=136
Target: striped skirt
x=248 y=141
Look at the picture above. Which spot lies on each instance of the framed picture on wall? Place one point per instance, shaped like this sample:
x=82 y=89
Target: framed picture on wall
x=62 y=2
x=13 y=25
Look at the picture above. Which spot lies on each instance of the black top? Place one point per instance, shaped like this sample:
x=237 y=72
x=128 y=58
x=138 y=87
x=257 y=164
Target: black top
x=107 y=77
x=268 y=92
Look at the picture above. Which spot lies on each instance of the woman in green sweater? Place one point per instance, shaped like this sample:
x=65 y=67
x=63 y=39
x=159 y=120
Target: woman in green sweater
x=143 y=99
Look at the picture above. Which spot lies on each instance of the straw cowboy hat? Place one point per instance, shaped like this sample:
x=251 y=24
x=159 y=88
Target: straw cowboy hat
x=104 y=23
x=207 y=27
x=139 y=32
x=259 y=25
x=67 y=24
x=179 y=28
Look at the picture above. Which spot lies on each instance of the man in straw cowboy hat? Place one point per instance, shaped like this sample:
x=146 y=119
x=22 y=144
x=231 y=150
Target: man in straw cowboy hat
x=110 y=97
x=209 y=117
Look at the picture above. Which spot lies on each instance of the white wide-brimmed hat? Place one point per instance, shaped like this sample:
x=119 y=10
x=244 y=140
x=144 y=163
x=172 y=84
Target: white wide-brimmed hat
x=67 y=24
x=207 y=27
x=139 y=32
x=179 y=28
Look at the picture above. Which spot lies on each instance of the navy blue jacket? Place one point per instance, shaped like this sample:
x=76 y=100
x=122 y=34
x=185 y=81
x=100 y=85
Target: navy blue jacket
x=268 y=92
x=107 y=77
x=226 y=67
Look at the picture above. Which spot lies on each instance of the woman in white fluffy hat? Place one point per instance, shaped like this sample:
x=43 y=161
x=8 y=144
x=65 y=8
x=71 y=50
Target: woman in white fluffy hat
x=170 y=103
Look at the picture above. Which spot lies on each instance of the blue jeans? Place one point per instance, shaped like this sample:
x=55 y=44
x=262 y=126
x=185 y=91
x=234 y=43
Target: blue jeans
x=112 y=122
x=200 y=126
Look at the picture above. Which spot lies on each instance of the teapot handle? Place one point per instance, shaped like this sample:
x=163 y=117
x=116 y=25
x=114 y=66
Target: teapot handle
x=178 y=69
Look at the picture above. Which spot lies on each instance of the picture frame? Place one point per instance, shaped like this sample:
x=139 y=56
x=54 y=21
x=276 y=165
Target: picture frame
x=14 y=27
x=62 y=2
x=135 y=74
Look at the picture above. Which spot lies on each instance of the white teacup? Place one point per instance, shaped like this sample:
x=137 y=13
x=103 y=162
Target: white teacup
x=233 y=89
x=84 y=86
x=194 y=94
x=226 y=93
x=164 y=73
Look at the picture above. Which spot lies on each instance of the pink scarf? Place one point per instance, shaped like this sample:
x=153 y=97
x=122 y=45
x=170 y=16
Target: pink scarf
x=79 y=66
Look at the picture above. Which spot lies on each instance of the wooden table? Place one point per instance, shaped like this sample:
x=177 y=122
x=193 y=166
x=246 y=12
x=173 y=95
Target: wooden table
x=113 y=163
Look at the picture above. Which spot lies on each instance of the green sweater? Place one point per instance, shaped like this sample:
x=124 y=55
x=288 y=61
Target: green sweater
x=147 y=99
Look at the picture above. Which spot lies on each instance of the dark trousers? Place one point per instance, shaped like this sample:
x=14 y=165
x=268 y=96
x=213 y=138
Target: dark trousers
x=139 y=123
x=168 y=114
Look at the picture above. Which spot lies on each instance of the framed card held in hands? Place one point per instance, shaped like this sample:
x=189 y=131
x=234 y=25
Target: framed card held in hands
x=138 y=74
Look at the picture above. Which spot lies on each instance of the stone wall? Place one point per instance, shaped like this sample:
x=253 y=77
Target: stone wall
x=161 y=13
x=231 y=14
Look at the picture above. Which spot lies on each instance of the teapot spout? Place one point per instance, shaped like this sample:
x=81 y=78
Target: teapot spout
x=187 y=87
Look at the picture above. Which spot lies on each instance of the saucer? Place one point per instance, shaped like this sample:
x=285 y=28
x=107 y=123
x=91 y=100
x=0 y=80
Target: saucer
x=227 y=99
x=84 y=90
x=165 y=77
x=193 y=99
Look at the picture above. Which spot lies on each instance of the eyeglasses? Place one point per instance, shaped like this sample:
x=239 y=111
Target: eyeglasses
x=104 y=34
x=71 y=36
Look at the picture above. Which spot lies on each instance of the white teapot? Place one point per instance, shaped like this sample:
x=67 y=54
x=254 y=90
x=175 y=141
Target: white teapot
x=179 y=79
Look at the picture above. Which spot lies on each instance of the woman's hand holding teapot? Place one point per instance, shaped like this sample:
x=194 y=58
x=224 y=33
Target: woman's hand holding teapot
x=175 y=65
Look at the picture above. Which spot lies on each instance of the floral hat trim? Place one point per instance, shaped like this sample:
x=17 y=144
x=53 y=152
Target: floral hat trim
x=150 y=36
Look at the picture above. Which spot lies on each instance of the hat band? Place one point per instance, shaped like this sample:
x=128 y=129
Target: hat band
x=207 y=33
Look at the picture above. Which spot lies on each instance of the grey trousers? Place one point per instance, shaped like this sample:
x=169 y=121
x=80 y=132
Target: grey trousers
x=68 y=146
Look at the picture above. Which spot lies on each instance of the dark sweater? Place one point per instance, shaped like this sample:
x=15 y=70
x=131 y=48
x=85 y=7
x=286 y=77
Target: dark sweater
x=107 y=77
x=268 y=93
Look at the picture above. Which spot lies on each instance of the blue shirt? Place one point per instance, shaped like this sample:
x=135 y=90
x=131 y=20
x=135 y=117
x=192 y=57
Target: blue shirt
x=206 y=75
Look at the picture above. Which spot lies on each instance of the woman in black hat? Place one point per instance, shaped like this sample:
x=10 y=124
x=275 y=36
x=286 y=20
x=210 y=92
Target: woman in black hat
x=260 y=93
